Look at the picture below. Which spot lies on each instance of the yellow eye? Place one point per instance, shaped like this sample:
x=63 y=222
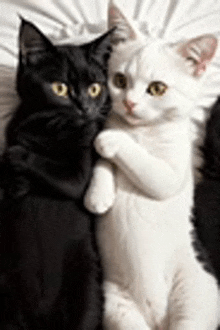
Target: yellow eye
x=94 y=90
x=60 y=89
x=157 y=88
x=120 y=80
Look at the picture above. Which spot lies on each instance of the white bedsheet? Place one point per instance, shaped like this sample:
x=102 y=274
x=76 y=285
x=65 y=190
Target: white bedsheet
x=80 y=20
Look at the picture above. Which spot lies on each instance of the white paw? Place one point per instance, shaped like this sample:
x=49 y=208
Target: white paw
x=109 y=142
x=99 y=201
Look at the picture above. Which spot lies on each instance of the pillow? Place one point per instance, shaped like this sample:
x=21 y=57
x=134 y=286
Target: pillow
x=77 y=21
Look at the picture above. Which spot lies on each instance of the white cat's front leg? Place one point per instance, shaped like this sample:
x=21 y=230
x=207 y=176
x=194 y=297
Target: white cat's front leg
x=157 y=177
x=100 y=195
x=109 y=142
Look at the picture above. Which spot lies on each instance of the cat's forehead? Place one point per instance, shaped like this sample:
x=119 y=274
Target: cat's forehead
x=74 y=56
x=79 y=65
x=147 y=59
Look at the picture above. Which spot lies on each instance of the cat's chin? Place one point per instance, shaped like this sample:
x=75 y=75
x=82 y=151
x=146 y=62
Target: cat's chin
x=134 y=120
x=137 y=121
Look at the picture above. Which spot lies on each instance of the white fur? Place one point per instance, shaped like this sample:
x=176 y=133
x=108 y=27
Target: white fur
x=144 y=187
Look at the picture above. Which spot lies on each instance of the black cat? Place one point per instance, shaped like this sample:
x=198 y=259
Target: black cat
x=206 y=217
x=206 y=213
x=50 y=270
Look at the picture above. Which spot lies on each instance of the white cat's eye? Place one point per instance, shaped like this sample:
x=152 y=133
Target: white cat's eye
x=60 y=89
x=120 y=80
x=94 y=90
x=156 y=88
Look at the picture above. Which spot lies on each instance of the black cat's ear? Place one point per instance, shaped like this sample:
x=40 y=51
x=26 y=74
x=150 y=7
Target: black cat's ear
x=101 y=48
x=32 y=42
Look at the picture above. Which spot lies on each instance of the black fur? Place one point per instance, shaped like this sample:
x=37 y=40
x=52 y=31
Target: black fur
x=207 y=193
x=201 y=253
x=50 y=270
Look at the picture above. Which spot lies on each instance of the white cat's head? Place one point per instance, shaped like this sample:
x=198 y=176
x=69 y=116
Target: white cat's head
x=150 y=80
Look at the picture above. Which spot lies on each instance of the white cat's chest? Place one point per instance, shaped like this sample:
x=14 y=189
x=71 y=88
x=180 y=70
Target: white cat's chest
x=137 y=221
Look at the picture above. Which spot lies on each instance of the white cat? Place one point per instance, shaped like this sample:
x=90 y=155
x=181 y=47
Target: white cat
x=144 y=185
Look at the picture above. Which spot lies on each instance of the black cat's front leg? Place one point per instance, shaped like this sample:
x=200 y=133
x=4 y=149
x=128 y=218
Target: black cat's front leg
x=13 y=165
x=18 y=166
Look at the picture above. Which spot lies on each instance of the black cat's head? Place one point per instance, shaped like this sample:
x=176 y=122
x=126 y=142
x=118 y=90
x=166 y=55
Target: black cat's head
x=70 y=77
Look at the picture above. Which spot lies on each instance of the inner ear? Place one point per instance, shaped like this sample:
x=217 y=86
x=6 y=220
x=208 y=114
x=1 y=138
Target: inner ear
x=32 y=41
x=200 y=51
x=125 y=30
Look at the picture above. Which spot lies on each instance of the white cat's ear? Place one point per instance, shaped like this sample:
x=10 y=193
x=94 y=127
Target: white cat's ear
x=199 y=52
x=125 y=30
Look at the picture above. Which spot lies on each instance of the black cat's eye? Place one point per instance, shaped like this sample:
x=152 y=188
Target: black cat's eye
x=156 y=88
x=60 y=89
x=120 y=80
x=94 y=90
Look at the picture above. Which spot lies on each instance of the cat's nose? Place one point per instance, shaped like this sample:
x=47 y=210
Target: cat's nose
x=129 y=105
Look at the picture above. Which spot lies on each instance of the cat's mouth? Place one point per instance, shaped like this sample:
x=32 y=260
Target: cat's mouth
x=129 y=106
x=133 y=118
x=130 y=113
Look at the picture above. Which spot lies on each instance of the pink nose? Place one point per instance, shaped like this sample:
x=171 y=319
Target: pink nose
x=129 y=105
